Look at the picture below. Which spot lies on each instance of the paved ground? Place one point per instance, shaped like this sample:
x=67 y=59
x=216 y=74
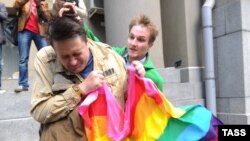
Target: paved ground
x=15 y=120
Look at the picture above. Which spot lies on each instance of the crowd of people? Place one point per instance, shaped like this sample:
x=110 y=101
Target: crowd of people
x=70 y=64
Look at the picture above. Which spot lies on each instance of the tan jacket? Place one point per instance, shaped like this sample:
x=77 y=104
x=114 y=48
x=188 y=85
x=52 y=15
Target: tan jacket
x=25 y=8
x=53 y=98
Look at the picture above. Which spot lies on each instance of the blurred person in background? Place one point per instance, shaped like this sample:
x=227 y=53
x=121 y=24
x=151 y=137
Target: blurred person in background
x=3 y=16
x=30 y=28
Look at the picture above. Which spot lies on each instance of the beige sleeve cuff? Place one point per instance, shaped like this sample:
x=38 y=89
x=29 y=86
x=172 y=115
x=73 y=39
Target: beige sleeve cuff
x=72 y=98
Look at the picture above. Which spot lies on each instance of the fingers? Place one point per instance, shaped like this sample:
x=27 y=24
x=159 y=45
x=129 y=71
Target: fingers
x=96 y=77
x=139 y=68
x=93 y=81
x=62 y=11
x=71 y=6
x=141 y=72
x=99 y=74
x=67 y=8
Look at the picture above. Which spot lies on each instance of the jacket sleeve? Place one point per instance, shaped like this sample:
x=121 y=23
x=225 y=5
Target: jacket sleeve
x=45 y=106
x=3 y=13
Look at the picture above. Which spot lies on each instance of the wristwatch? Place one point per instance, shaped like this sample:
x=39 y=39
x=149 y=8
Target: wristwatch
x=78 y=91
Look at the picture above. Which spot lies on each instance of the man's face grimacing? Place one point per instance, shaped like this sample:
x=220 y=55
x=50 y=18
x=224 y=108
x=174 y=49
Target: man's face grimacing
x=73 y=53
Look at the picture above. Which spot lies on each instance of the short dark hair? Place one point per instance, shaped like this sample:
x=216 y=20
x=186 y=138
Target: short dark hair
x=62 y=28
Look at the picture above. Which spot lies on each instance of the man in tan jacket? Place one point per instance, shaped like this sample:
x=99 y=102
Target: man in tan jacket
x=66 y=72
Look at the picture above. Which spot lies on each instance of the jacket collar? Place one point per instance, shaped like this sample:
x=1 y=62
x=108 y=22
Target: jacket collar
x=148 y=64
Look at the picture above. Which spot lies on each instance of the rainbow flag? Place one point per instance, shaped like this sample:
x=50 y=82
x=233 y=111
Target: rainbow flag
x=148 y=116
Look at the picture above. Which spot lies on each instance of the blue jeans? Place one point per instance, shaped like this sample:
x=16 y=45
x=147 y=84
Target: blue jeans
x=24 y=42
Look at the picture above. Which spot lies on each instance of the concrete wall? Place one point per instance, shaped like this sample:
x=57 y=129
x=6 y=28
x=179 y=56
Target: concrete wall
x=118 y=14
x=194 y=32
x=174 y=31
x=96 y=22
x=181 y=27
x=232 y=41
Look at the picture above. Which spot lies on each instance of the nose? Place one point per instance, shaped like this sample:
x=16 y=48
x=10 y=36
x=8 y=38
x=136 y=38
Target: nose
x=133 y=42
x=72 y=61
